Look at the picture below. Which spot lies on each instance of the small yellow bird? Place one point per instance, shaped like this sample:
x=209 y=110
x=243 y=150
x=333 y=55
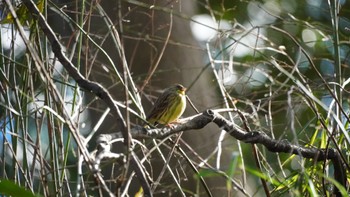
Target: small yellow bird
x=169 y=106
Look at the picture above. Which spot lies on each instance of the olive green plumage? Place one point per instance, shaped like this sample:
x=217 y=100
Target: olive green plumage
x=169 y=106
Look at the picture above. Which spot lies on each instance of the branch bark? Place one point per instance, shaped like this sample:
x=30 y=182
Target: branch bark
x=256 y=137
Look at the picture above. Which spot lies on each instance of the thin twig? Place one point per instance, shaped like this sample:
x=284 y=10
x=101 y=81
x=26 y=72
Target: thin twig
x=155 y=66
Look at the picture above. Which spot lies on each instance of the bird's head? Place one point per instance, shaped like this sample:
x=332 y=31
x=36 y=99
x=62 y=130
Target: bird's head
x=180 y=89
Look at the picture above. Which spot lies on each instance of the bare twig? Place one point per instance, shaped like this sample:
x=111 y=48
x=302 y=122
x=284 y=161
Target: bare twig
x=91 y=86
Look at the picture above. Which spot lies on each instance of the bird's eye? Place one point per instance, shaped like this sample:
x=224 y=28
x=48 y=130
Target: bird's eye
x=179 y=87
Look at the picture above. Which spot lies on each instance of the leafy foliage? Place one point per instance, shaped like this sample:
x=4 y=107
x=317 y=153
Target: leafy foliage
x=11 y=189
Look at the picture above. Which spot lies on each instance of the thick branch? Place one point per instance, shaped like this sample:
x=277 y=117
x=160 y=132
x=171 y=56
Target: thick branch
x=201 y=120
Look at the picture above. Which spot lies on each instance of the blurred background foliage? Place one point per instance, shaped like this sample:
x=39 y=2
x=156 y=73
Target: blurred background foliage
x=282 y=63
x=309 y=39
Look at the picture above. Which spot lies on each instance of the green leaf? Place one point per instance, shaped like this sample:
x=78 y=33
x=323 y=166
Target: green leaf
x=12 y=189
x=22 y=13
x=232 y=168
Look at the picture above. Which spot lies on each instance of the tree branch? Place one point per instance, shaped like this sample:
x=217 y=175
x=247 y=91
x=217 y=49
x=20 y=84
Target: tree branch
x=257 y=137
x=91 y=86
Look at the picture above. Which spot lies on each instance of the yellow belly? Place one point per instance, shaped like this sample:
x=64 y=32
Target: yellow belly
x=174 y=111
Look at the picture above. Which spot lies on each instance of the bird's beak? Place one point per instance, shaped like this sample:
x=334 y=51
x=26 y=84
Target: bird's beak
x=182 y=91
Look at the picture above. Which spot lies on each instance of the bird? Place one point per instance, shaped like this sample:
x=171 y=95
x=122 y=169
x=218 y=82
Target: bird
x=169 y=106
